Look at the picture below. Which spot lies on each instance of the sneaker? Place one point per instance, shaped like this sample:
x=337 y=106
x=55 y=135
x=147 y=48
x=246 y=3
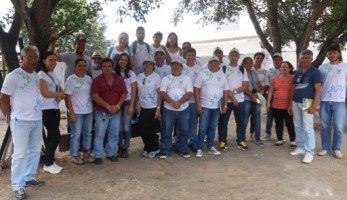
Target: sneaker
x=57 y=166
x=308 y=158
x=259 y=143
x=242 y=145
x=77 y=160
x=199 y=153
x=34 y=183
x=322 y=153
x=297 y=151
x=98 y=161
x=222 y=146
x=20 y=194
x=51 y=169
x=152 y=154
x=214 y=151
x=186 y=155
x=120 y=152
x=163 y=156
x=338 y=154
x=112 y=158
x=266 y=137
x=145 y=154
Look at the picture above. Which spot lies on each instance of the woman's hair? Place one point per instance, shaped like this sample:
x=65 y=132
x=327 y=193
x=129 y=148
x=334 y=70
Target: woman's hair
x=290 y=66
x=127 y=68
x=124 y=33
x=245 y=60
x=79 y=60
x=44 y=57
x=167 y=40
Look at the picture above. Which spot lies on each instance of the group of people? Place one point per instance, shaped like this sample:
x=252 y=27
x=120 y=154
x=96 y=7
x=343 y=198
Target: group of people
x=168 y=86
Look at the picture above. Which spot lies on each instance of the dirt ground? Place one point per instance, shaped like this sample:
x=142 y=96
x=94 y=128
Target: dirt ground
x=261 y=173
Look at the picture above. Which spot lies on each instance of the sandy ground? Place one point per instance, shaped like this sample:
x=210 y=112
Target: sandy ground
x=260 y=173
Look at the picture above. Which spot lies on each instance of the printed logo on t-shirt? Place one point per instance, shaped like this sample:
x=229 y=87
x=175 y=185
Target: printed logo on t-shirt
x=209 y=76
x=26 y=80
x=79 y=83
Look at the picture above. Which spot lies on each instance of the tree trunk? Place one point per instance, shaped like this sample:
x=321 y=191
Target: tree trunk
x=274 y=26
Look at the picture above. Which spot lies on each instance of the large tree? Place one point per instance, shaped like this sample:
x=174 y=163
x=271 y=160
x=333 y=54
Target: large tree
x=278 y=22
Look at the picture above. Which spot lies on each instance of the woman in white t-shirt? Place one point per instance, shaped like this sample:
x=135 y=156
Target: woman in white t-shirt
x=79 y=104
x=123 y=69
x=51 y=94
x=148 y=106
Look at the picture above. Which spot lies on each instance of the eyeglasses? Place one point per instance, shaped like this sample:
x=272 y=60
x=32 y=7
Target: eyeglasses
x=31 y=57
x=144 y=81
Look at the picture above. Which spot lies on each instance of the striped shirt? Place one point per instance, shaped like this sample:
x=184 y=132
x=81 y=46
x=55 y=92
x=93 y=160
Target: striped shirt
x=281 y=92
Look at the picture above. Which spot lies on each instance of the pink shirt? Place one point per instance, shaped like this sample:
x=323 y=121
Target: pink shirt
x=281 y=92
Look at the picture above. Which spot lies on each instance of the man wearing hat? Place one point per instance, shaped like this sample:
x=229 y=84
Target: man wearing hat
x=157 y=38
x=219 y=53
x=272 y=72
x=96 y=60
x=161 y=68
x=210 y=91
x=176 y=89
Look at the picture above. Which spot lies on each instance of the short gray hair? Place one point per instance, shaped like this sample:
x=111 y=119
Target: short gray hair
x=306 y=52
x=29 y=48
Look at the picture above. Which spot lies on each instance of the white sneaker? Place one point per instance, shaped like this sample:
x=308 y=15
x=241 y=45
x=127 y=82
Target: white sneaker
x=57 y=166
x=308 y=158
x=297 y=151
x=199 y=153
x=338 y=154
x=51 y=169
x=322 y=153
x=214 y=151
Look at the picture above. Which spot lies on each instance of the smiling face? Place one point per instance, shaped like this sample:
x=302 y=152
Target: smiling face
x=29 y=61
x=148 y=67
x=123 y=61
x=176 y=69
x=50 y=62
x=285 y=69
x=334 y=56
x=305 y=60
x=80 y=47
x=123 y=40
x=81 y=68
x=107 y=68
x=248 y=64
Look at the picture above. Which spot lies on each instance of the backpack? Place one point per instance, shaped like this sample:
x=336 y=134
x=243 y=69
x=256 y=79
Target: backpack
x=135 y=47
x=115 y=58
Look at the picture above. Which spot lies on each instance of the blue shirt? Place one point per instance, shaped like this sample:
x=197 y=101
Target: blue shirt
x=304 y=83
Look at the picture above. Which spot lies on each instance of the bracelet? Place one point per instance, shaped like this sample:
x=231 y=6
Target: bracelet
x=158 y=107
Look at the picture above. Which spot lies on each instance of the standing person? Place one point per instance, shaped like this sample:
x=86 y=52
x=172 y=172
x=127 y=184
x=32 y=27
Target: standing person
x=210 y=88
x=172 y=46
x=123 y=69
x=157 y=38
x=122 y=47
x=79 y=104
x=192 y=70
x=140 y=49
x=252 y=106
x=238 y=82
x=148 y=106
x=20 y=103
x=51 y=94
x=307 y=88
x=161 y=68
x=271 y=74
x=332 y=105
x=278 y=100
x=175 y=90
x=96 y=60
x=109 y=93
x=218 y=52
x=185 y=47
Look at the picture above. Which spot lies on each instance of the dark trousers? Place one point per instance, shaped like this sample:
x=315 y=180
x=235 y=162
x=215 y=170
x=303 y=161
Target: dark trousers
x=148 y=124
x=51 y=120
x=281 y=115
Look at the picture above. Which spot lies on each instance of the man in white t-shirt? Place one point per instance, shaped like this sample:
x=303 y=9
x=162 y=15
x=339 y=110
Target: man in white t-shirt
x=332 y=106
x=176 y=89
x=211 y=94
x=21 y=104
x=161 y=68
x=237 y=81
x=140 y=49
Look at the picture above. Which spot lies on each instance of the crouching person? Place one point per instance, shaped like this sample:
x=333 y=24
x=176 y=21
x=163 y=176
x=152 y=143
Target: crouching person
x=108 y=92
x=176 y=89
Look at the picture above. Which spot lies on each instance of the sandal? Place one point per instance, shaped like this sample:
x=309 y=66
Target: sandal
x=279 y=143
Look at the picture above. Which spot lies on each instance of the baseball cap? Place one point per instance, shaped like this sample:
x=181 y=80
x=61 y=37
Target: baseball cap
x=277 y=55
x=80 y=39
x=159 y=50
x=149 y=59
x=177 y=60
x=213 y=58
x=158 y=33
x=218 y=49
x=234 y=50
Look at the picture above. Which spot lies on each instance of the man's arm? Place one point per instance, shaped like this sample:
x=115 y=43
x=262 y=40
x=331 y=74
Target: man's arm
x=5 y=106
x=317 y=91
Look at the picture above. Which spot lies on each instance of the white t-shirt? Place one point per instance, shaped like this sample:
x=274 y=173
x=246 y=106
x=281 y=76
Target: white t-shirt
x=271 y=74
x=23 y=89
x=235 y=79
x=176 y=87
x=128 y=82
x=79 y=89
x=192 y=73
x=147 y=89
x=262 y=74
x=53 y=84
x=153 y=49
x=212 y=85
x=140 y=55
x=334 y=78
x=163 y=71
x=70 y=58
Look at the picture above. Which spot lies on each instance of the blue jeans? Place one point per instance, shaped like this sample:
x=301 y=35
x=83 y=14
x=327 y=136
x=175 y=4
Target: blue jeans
x=254 y=110
x=193 y=123
x=125 y=127
x=27 y=143
x=207 y=126
x=269 y=121
x=110 y=123
x=239 y=114
x=303 y=125
x=82 y=126
x=169 y=120
x=332 y=114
